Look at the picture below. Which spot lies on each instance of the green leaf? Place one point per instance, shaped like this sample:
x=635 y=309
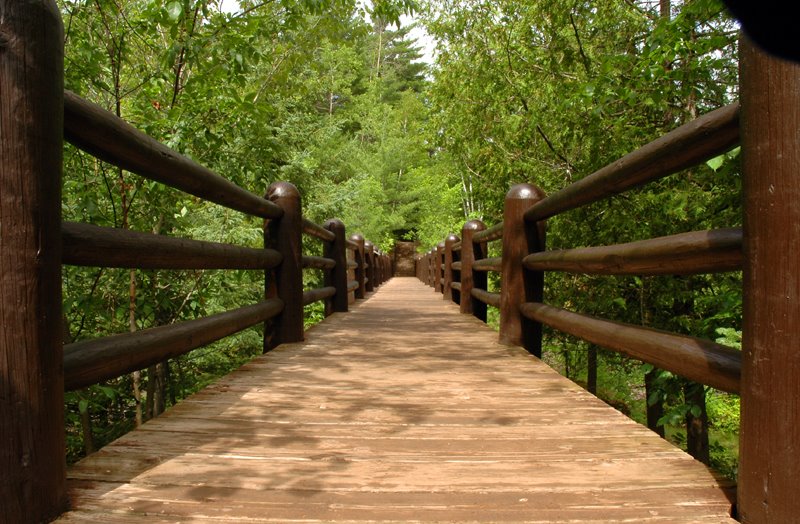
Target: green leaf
x=109 y=392
x=174 y=9
x=716 y=162
x=83 y=405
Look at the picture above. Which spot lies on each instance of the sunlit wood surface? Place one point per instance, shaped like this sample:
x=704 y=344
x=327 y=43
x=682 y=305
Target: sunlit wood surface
x=400 y=410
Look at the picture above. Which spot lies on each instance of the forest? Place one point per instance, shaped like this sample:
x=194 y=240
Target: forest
x=335 y=97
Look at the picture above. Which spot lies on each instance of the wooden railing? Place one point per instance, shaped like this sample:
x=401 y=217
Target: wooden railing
x=35 y=367
x=768 y=250
x=109 y=138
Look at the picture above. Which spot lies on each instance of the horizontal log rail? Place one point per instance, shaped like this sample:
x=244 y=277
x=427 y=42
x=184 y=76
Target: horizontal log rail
x=315 y=295
x=688 y=253
x=109 y=138
x=489 y=235
x=91 y=361
x=315 y=230
x=696 y=359
x=351 y=264
x=456 y=286
x=90 y=245
x=490 y=299
x=689 y=145
x=456 y=266
x=35 y=243
x=457 y=246
x=488 y=264
x=312 y=262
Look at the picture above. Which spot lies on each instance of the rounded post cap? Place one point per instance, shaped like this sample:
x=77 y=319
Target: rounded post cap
x=525 y=192
x=451 y=239
x=474 y=225
x=282 y=190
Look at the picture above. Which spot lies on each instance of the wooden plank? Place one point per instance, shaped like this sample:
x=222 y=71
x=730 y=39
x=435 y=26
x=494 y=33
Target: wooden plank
x=400 y=410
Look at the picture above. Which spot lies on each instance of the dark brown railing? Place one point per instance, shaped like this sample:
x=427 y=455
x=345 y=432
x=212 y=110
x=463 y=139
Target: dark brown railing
x=35 y=366
x=111 y=139
x=458 y=269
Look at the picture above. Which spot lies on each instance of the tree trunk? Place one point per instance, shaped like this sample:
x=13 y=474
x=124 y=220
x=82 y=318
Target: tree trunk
x=694 y=395
x=655 y=411
x=591 y=372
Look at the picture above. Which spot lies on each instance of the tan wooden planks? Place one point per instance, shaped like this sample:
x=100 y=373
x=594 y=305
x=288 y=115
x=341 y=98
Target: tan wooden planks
x=400 y=410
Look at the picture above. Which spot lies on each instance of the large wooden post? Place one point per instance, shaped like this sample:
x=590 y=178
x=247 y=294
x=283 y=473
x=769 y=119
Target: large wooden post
x=470 y=279
x=518 y=285
x=448 y=267
x=32 y=448
x=369 y=260
x=336 y=277
x=361 y=290
x=770 y=392
x=438 y=262
x=286 y=236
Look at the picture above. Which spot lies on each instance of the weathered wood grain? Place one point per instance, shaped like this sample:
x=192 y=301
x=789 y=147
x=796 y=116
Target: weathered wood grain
x=32 y=469
x=401 y=410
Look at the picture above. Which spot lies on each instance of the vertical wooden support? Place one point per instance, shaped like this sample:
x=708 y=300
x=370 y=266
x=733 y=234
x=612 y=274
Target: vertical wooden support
x=369 y=260
x=361 y=290
x=519 y=285
x=32 y=453
x=438 y=262
x=448 y=267
x=286 y=235
x=770 y=391
x=472 y=279
x=429 y=266
x=336 y=277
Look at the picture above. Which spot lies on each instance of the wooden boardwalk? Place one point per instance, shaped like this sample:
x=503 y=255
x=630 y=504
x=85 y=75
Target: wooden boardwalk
x=390 y=413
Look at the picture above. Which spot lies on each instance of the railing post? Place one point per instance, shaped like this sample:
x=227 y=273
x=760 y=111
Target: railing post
x=32 y=454
x=431 y=270
x=770 y=388
x=361 y=290
x=438 y=261
x=518 y=285
x=469 y=278
x=369 y=258
x=336 y=277
x=286 y=236
x=448 y=267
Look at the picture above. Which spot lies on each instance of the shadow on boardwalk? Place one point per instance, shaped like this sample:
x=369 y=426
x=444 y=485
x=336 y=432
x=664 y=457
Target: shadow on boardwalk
x=401 y=409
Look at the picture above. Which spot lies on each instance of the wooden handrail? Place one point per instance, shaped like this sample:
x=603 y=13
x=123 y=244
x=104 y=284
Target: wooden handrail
x=90 y=245
x=696 y=359
x=489 y=235
x=315 y=230
x=491 y=299
x=311 y=262
x=315 y=295
x=692 y=143
x=488 y=264
x=91 y=361
x=109 y=138
x=688 y=253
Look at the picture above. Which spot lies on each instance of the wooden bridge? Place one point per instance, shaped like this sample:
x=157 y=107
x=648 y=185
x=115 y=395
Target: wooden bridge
x=394 y=412
x=401 y=407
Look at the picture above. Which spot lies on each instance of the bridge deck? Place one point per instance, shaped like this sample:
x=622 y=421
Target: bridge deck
x=401 y=410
